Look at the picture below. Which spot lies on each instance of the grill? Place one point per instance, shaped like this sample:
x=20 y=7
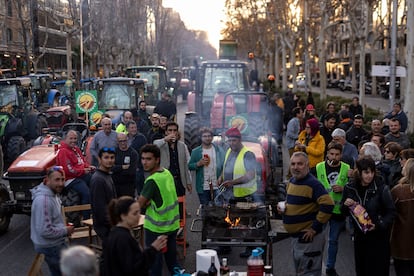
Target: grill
x=251 y=230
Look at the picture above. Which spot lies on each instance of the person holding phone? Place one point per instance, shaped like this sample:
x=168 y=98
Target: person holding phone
x=126 y=164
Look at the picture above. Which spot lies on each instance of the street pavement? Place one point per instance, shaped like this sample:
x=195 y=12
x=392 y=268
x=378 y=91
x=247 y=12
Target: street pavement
x=17 y=254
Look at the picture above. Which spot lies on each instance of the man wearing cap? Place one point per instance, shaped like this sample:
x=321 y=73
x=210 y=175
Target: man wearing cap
x=239 y=171
x=276 y=120
x=166 y=106
x=155 y=132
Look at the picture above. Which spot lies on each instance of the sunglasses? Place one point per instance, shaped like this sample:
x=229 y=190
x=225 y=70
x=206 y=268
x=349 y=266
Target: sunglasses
x=55 y=169
x=122 y=141
x=110 y=150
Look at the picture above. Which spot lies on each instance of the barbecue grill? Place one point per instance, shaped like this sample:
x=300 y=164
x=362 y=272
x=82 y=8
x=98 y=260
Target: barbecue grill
x=248 y=224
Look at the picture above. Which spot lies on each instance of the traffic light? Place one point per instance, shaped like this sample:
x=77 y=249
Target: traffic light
x=251 y=55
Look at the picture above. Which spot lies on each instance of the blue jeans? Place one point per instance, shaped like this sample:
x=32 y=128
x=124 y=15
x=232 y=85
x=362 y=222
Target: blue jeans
x=170 y=256
x=52 y=257
x=81 y=187
x=205 y=197
x=335 y=228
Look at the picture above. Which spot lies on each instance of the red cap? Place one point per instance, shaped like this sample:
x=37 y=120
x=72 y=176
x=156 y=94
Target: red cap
x=310 y=107
x=233 y=132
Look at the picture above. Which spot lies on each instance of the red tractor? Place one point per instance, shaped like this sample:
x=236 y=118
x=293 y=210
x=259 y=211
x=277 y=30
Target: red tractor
x=223 y=99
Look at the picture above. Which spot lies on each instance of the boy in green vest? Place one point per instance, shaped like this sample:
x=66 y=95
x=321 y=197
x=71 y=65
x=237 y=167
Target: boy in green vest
x=160 y=200
x=333 y=174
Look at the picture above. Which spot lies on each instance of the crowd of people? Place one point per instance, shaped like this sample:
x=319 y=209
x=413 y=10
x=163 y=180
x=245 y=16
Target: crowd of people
x=338 y=167
x=140 y=163
x=336 y=164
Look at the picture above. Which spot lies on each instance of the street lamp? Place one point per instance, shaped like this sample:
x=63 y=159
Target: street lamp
x=81 y=39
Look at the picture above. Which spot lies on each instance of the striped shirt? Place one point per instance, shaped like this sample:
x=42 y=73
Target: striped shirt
x=308 y=205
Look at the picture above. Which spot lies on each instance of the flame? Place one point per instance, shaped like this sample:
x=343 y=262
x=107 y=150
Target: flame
x=231 y=223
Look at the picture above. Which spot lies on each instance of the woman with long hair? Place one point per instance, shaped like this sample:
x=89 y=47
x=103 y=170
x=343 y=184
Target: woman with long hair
x=122 y=253
x=371 y=248
x=402 y=238
x=311 y=141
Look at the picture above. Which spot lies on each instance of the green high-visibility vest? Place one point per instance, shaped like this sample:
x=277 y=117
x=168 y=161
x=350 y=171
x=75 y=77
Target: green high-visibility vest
x=165 y=218
x=341 y=181
x=239 y=170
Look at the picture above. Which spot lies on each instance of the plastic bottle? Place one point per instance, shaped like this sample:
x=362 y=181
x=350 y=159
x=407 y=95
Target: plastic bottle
x=212 y=271
x=224 y=269
x=255 y=264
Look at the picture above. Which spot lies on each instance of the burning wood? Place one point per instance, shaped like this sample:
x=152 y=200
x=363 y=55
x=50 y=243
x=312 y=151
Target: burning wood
x=231 y=223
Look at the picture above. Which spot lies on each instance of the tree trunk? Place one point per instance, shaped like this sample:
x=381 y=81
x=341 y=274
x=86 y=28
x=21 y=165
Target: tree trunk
x=409 y=97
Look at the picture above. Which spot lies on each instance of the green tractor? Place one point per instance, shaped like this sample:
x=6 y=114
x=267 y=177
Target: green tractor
x=20 y=122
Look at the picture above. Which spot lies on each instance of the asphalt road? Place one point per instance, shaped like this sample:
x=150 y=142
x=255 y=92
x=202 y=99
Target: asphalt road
x=17 y=254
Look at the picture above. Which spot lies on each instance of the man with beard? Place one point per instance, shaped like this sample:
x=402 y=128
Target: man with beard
x=356 y=132
x=142 y=112
x=308 y=208
x=155 y=132
x=47 y=228
x=399 y=114
x=207 y=162
x=395 y=134
x=333 y=174
x=125 y=168
x=327 y=129
x=174 y=157
x=166 y=106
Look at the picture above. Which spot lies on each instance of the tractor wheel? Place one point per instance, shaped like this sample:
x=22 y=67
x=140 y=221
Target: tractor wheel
x=70 y=198
x=256 y=126
x=4 y=218
x=40 y=125
x=15 y=147
x=191 y=131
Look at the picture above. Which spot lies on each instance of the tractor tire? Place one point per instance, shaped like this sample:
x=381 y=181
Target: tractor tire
x=41 y=123
x=15 y=147
x=191 y=131
x=4 y=218
x=70 y=198
x=256 y=126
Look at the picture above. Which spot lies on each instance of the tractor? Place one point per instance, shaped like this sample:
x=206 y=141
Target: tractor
x=20 y=122
x=157 y=82
x=115 y=95
x=223 y=99
x=118 y=94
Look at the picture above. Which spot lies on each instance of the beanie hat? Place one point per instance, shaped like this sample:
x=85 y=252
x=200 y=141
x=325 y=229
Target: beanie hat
x=310 y=107
x=314 y=126
x=233 y=132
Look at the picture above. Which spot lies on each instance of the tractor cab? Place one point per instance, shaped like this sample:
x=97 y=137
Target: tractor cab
x=116 y=95
x=14 y=94
x=156 y=77
x=41 y=83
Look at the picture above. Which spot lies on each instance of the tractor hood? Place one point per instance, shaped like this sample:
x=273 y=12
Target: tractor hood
x=33 y=162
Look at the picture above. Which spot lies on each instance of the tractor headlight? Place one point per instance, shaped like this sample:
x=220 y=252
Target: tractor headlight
x=20 y=196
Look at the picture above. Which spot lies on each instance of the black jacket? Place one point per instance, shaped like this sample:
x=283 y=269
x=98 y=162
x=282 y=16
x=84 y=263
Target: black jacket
x=376 y=200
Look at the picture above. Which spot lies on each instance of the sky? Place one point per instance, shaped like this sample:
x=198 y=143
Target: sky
x=201 y=15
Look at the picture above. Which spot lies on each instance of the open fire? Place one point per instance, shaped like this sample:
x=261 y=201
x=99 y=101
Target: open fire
x=234 y=223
